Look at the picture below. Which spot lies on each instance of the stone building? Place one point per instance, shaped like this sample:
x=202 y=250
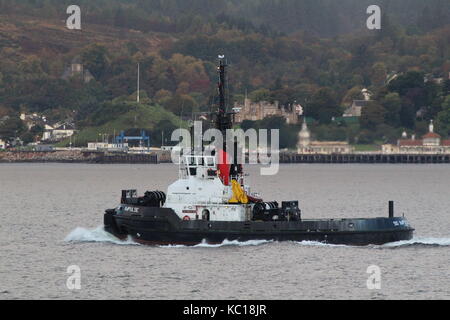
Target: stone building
x=306 y=146
x=355 y=110
x=431 y=143
x=259 y=110
x=76 y=69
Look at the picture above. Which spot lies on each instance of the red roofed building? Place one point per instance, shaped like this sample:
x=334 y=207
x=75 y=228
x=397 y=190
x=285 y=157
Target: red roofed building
x=431 y=143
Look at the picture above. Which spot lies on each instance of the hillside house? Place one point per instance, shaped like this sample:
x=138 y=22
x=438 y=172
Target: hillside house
x=259 y=110
x=77 y=69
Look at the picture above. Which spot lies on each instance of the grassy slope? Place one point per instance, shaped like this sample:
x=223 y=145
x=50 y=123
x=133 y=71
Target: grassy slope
x=367 y=147
x=42 y=36
x=146 y=116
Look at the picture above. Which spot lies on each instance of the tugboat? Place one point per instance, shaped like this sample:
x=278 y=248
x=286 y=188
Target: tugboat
x=211 y=203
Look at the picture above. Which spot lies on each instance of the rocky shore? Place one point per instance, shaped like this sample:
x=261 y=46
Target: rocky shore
x=78 y=156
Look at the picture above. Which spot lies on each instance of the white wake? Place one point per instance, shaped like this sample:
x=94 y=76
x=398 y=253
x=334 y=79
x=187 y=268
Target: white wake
x=420 y=241
x=100 y=235
x=233 y=243
x=224 y=243
x=320 y=244
x=95 y=235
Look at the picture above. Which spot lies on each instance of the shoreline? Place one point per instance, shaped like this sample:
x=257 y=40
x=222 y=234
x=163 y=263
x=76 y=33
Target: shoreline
x=104 y=157
x=77 y=156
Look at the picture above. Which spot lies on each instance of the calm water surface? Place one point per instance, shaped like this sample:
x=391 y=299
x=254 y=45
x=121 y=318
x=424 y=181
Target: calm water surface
x=52 y=216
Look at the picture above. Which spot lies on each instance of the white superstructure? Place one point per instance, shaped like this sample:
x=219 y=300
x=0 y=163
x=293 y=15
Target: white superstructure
x=199 y=193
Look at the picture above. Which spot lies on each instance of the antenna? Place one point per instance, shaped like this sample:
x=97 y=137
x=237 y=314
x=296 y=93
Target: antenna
x=138 y=78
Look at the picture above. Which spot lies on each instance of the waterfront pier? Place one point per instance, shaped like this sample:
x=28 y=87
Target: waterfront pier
x=163 y=156
x=287 y=157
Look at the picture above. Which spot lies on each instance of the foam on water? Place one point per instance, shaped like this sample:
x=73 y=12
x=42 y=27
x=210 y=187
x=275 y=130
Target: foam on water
x=319 y=244
x=96 y=235
x=100 y=235
x=432 y=242
x=233 y=243
x=224 y=243
x=419 y=241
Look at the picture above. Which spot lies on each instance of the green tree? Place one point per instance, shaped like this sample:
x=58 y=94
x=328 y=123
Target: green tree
x=443 y=117
x=27 y=137
x=164 y=130
x=11 y=128
x=287 y=133
x=379 y=73
x=408 y=114
x=392 y=103
x=181 y=105
x=95 y=58
x=372 y=115
x=352 y=94
x=446 y=87
x=323 y=106
x=37 y=130
x=404 y=83
x=247 y=124
x=273 y=122
x=260 y=95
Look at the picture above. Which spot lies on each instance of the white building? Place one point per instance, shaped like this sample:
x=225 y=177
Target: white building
x=59 y=132
x=106 y=146
x=431 y=143
x=306 y=146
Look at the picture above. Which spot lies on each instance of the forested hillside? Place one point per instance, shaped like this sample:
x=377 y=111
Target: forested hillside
x=318 y=53
x=318 y=17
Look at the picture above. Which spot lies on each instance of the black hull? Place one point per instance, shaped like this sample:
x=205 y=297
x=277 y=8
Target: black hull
x=162 y=226
x=189 y=239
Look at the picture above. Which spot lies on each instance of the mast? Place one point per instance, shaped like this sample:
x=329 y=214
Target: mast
x=224 y=122
x=138 y=84
x=223 y=117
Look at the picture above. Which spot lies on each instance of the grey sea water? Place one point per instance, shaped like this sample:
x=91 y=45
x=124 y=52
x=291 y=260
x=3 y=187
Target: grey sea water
x=51 y=217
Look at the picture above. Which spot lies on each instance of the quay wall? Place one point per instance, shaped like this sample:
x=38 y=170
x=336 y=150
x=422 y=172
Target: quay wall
x=79 y=156
x=364 y=158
